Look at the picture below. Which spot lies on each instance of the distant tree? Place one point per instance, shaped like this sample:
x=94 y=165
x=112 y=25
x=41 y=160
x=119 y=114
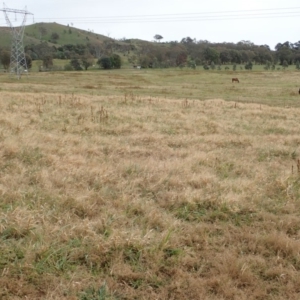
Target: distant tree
x=43 y=31
x=236 y=56
x=28 y=61
x=68 y=67
x=278 y=46
x=181 y=58
x=132 y=59
x=212 y=65
x=296 y=45
x=144 y=61
x=245 y=55
x=288 y=44
x=225 y=56
x=104 y=62
x=234 y=67
x=249 y=65
x=191 y=64
x=158 y=37
x=40 y=50
x=32 y=54
x=268 y=65
x=263 y=55
x=187 y=40
x=76 y=64
x=116 y=61
x=284 y=53
x=285 y=64
x=47 y=61
x=5 y=59
x=211 y=55
x=87 y=61
x=54 y=37
x=247 y=44
x=205 y=67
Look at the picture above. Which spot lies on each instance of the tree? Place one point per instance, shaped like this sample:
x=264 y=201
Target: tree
x=68 y=67
x=47 y=61
x=262 y=55
x=187 y=40
x=181 y=59
x=104 y=62
x=211 y=55
x=205 y=67
x=158 y=37
x=191 y=64
x=40 y=50
x=116 y=61
x=144 y=61
x=236 y=56
x=5 y=59
x=249 y=65
x=54 y=37
x=87 y=61
x=76 y=64
x=43 y=31
x=285 y=64
x=284 y=54
x=268 y=65
x=225 y=56
x=28 y=61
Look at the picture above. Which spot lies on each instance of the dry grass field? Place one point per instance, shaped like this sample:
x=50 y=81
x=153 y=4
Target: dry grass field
x=150 y=185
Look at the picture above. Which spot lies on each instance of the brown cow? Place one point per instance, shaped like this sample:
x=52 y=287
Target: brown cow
x=235 y=80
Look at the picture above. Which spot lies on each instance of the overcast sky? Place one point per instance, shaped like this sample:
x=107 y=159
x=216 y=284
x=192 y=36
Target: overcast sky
x=259 y=21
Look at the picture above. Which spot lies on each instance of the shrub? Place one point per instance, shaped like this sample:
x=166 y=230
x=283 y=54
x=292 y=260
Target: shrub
x=249 y=65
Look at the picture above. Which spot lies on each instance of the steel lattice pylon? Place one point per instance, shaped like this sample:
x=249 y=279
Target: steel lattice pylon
x=17 y=56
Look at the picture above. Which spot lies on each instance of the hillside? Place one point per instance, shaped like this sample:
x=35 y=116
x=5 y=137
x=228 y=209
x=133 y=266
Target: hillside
x=67 y=42
x=41 y=32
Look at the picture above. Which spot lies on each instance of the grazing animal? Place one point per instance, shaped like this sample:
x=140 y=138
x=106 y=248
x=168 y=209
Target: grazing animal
x=235 y=80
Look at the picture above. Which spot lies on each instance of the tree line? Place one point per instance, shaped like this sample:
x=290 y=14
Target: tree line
x=185 y=53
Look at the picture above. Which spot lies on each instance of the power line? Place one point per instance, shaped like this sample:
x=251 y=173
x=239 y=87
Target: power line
x=225 y=18
x=186 y=17
x=181 y=14
x=290 y=12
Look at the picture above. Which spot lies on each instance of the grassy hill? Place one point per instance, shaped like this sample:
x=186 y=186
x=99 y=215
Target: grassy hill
x=57 y=35
x=40 y=32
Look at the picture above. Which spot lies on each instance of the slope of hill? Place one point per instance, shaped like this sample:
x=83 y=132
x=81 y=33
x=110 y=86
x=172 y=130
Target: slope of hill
x=54 y=33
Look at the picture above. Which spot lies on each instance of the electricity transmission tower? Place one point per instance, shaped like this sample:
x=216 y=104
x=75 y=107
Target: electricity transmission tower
x=17 y=56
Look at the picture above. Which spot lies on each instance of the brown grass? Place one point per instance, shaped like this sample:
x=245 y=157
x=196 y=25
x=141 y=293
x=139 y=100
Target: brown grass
x=138 y=197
